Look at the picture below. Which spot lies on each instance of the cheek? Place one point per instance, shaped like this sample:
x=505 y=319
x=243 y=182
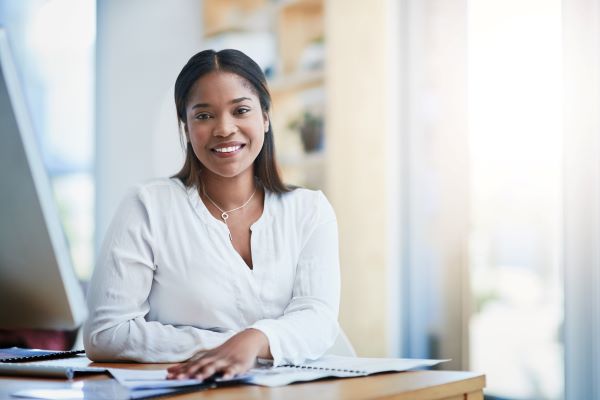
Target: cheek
x=258 y=132
x=198 y=139
x=259 y=142
x=197 y=133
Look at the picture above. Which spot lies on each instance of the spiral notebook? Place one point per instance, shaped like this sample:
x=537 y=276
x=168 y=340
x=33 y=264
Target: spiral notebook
x=334 y=367
x=19 y=354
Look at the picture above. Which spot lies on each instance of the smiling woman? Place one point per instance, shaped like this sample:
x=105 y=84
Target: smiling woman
x=225 y=124
x=251 y=81
x=221 y=263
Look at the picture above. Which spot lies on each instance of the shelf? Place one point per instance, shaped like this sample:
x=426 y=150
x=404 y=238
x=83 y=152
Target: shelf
x=227 y=16
x=299 y=23
x=283 y=4
x=297 y=81
x=314 y=159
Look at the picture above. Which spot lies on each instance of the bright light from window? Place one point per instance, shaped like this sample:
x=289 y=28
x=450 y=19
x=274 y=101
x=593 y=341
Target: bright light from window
x=56 y=39
x=63 y=26
x=515 y=127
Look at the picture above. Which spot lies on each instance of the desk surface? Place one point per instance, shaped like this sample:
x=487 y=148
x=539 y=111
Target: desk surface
x=413 y=385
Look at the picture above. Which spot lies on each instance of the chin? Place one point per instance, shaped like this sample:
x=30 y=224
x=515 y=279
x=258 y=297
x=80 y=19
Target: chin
x=228 y=173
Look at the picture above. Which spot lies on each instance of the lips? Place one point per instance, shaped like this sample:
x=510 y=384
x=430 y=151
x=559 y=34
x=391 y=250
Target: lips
x=230 y=149
x=225 y=149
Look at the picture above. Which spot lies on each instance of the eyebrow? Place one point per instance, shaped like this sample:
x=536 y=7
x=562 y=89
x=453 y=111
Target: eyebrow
x=234 y=101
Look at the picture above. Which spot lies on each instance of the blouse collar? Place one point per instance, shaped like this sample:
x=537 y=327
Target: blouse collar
x=205 y=215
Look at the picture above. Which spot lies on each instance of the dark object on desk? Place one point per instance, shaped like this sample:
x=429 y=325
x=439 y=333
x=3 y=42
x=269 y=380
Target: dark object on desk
x=18 y=354
x=38 y=338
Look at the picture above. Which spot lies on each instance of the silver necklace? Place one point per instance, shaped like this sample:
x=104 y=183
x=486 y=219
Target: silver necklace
x=225 y=214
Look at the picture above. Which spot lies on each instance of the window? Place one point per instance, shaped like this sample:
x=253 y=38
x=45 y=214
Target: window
x=515 y=242
x=484 y=242
x=54 y=43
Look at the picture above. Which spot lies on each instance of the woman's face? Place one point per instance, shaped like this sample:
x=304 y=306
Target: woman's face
x=225 y=124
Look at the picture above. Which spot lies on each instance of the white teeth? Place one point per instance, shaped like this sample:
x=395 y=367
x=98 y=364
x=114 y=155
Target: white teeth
x=228 y=149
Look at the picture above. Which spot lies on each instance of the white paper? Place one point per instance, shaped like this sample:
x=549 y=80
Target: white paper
x=371 y=365
x=136 y=379
x=334 y=366
x=50 y=394
x=327 y=366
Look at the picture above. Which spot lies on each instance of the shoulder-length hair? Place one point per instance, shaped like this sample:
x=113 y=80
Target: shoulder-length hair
x=233 y=61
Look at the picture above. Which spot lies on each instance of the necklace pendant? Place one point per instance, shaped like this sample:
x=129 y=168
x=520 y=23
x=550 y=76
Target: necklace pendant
x=224 y=216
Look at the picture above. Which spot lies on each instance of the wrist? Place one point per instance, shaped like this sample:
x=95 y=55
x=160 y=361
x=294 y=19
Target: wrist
x=262 y=342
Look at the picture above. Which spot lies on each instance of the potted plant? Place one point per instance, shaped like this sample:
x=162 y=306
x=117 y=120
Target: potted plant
x=310 y=127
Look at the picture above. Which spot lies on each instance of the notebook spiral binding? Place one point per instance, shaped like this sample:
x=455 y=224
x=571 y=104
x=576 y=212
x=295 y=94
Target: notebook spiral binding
x=351 y=371
x=24 y=355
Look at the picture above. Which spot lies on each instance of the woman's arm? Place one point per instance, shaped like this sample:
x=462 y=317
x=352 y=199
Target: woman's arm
x=309 y=324
x=118 y=298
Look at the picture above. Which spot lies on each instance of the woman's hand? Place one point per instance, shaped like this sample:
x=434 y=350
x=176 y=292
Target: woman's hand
x=236 y=356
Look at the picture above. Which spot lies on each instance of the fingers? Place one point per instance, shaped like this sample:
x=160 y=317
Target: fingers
x=235 y=356
x=174 y=370
x=190 y=368
x=230 y=371
x=206 y=367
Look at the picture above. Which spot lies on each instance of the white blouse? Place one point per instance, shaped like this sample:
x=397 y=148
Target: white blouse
x=169 y=283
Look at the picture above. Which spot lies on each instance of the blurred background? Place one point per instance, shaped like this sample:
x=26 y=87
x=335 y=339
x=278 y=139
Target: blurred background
x=458 y=141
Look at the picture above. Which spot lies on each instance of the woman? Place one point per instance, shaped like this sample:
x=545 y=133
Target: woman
x=222 y=263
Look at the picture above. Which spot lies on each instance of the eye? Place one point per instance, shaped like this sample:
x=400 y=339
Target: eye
x=202 y=116
x=242 y=110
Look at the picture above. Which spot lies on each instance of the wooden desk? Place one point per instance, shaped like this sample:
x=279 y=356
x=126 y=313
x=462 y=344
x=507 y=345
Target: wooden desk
x=413 y=385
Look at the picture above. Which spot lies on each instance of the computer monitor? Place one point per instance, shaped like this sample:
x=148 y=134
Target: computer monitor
x=38 y=286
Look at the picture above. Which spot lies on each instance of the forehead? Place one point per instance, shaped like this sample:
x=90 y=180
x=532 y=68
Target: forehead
x=218 y=85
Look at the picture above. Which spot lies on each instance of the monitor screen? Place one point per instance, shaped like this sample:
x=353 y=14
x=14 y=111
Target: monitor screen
x=38 y=286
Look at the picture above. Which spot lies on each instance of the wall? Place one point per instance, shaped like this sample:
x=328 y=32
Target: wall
x=364 y=153
x=141 y=47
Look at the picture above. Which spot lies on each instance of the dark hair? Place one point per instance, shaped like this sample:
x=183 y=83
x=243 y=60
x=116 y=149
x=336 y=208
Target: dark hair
x=234 y=61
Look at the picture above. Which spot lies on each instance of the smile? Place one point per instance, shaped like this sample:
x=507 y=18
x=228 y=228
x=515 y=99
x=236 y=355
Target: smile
x=230 y=149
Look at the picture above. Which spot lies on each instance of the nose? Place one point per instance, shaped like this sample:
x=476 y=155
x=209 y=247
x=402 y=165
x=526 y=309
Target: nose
x=225 y=126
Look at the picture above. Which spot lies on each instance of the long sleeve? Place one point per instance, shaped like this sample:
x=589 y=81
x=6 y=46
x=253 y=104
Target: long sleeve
x=308 y=326
x=118 y=298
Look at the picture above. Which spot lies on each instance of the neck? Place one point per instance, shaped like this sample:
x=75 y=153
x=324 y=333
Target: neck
x=229 y=193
